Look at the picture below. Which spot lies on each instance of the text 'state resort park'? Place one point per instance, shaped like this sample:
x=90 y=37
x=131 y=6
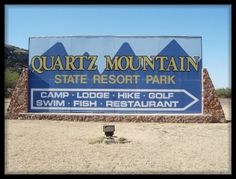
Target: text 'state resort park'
x=115 y=74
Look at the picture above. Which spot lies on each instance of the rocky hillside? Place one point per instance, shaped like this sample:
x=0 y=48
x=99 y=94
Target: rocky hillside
x=15 y=58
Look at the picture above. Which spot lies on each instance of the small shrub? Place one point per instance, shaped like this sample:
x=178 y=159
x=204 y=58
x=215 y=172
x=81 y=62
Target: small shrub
x=96 y=140
x=11 y=78
x=223 y=92
x=123 y=140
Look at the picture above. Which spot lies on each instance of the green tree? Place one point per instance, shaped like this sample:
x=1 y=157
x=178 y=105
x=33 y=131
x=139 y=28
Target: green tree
x=223 y=92
x=11 y=78
x=228 y=92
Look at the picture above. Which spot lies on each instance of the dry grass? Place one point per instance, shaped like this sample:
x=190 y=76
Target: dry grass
x=97 y=140
x=123 y=140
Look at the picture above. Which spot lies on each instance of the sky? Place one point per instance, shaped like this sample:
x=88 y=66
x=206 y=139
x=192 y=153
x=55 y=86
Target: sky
x=211 y=22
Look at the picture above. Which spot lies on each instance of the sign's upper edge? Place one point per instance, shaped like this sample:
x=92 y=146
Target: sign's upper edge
x=115 y=36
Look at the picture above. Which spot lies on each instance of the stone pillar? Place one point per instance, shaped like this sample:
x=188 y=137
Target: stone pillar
x=211 y=102
x=19 y=98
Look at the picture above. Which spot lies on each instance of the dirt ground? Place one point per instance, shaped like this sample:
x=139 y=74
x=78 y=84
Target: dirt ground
x=226 y=105
x=61 y=147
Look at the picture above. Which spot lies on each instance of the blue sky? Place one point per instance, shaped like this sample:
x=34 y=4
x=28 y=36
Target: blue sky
x=212 y=22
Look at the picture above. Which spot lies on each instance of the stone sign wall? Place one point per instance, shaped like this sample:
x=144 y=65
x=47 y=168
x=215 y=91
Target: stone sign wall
x=212 y=109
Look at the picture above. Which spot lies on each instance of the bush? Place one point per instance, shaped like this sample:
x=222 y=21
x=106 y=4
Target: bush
x=223 y=93
x=11 y=78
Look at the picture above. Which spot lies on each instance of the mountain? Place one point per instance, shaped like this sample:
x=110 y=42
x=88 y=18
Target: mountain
x=58 y=48
x=86 y=64
x=15 y=58
x=173 y=49
x=124 y=50
x=43 y=80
